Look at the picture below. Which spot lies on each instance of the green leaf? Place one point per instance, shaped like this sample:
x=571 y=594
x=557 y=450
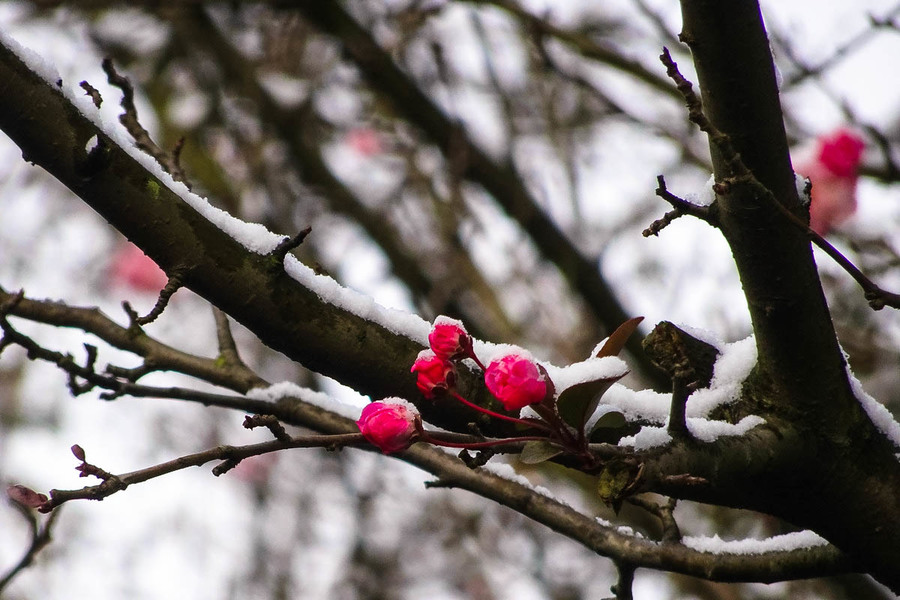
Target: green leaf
x=578 y=402
x=611 y=420
x=536 y=452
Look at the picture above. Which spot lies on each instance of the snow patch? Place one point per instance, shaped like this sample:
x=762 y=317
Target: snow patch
x=780 y=543
x=881 y=417
x=592 y=369
x=709 y=431
x=506 y=471
x=705 y=196
x=289 y=389
x=648 y=437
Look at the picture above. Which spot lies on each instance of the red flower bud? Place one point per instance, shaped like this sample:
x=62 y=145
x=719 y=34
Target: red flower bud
x=448 y=339
x=389 y=424
x=434 y=375
x=515 y=381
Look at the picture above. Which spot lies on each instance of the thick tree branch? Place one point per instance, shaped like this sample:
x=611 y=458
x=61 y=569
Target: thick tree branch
x=157 y=354
x=288 y=317
x=501 y=181
x=801 y=374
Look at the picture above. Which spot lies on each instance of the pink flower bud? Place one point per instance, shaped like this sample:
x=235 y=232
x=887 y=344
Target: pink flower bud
x=434 y=375
x=832 y=169
x=515 y=381
x=389 y=425
x=448 y=339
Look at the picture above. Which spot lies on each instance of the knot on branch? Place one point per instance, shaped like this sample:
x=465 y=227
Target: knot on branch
x=687 y=361
x=680 y=355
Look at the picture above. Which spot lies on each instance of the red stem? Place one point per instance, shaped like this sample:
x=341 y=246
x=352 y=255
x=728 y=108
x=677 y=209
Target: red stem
x=491 y=413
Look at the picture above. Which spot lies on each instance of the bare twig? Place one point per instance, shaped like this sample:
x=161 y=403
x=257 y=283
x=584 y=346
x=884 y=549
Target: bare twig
x=228 y=351
x=270 y=422
x=288 y=244
x=681 y=206
x=175 y=282
x=230 y=455
x=622 y=589
x=94 y=94
x=129 y=118
x=91 y=320
x=805 y=71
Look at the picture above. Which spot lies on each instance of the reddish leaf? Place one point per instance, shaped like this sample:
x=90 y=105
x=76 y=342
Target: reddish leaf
x=619 y=337
x=25 y=496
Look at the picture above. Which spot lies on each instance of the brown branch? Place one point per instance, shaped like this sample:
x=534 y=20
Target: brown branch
x=161 y=356
x=622 y=588
x=174 y=283
x=289 y=243
x=663 y=512
x=583 y=44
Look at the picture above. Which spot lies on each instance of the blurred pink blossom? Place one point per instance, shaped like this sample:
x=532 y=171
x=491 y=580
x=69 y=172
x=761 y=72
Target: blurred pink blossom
x=832 y=169
x=131 y=267
x=389 y=426
x=364 y=141
x=515 y=381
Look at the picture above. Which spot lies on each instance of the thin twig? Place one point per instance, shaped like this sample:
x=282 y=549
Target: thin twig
x=175 y=282
x=228 y=351
x=682 y=207
x=288 y=244
x=622 y=589
x=231 y=455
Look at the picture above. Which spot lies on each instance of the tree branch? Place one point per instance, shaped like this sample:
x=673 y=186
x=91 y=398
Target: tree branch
x=501 y=181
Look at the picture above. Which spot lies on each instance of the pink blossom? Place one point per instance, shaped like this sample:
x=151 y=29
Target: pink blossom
x=389 y=426
x=434 y=375
x=448 y=339
x=131 y=267
x=832 y=169
x=515 y=381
